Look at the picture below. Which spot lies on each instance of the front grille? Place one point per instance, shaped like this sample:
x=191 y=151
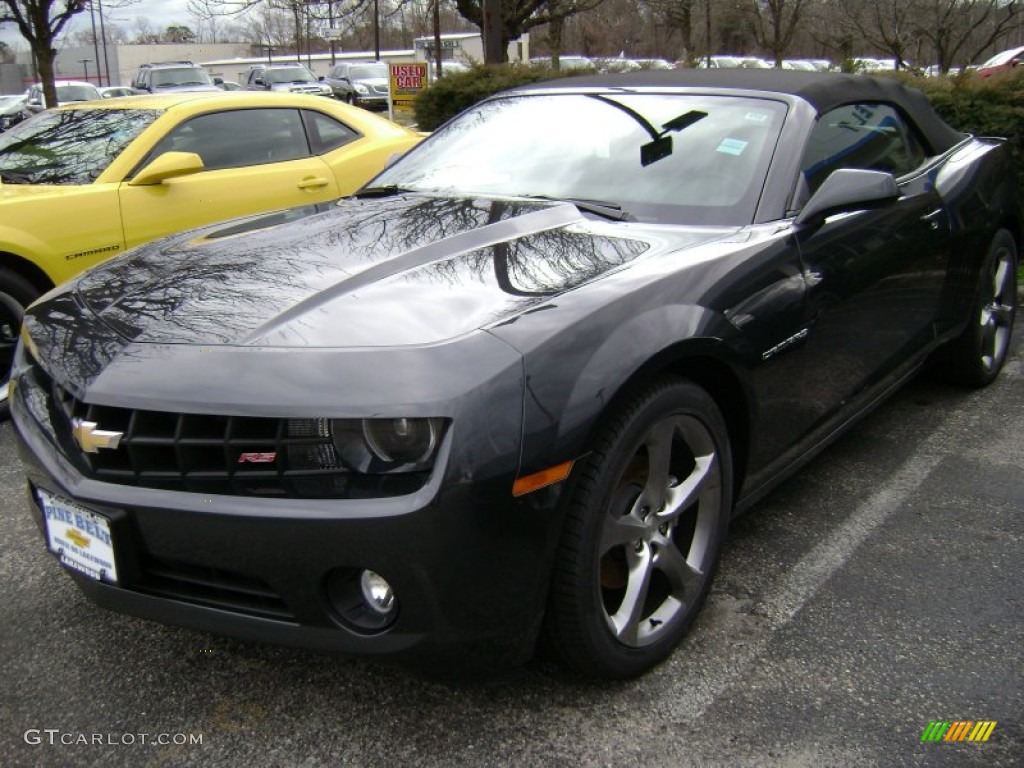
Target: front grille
x=232 y=455
x=381 y=90
x=211 y=587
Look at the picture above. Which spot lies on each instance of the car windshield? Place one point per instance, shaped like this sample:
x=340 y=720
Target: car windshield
x=67 y=93
x=6 y=101
x=698 y=159
x=290 y=75
x=68 y=146
x=169 y=78
x=369 y=72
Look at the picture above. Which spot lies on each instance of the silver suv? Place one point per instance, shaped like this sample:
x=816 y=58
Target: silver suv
x=170 y=76
x=285 y=77
x=363 y=83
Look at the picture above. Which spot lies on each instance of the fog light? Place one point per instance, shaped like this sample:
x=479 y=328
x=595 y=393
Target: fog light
x=362 y=600
x=377 y=593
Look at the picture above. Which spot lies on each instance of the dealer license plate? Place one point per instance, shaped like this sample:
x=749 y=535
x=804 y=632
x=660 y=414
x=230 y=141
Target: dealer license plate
x=80 y=538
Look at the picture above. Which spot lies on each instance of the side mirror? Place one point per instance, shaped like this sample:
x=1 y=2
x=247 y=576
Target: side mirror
x=168 y=165
x=321 y=78
x=258 y=81
x=848 y=190
x=218 y=81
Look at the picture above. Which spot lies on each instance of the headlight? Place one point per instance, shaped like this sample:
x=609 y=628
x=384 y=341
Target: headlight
x=326 y=89
x=360 y=88
x=364 y=446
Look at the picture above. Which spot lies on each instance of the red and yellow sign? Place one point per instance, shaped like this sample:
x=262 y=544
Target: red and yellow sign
x=407 y=81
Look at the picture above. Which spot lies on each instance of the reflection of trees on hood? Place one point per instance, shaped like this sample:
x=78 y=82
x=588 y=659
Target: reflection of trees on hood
x=219 y=286
x=77 y=345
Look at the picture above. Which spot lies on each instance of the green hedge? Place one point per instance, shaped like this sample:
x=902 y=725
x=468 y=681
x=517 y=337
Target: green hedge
x=992 y=106
x=454 y=93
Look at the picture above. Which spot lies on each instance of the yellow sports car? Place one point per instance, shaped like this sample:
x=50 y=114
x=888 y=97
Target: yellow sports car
x=82 y=183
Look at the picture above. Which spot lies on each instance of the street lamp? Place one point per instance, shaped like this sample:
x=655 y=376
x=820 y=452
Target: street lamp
x=85 y=63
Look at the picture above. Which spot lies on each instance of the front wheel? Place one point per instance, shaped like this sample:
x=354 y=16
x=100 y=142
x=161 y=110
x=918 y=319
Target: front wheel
x=16 y=293
x=643 y=533
x=975 y=357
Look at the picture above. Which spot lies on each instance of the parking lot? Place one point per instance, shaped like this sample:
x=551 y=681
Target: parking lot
x=876 y=591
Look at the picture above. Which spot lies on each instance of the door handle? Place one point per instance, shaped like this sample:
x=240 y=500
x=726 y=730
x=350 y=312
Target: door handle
x=933 y=218
x=311 y=183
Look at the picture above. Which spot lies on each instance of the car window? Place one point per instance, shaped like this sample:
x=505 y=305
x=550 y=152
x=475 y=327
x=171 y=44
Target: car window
x=872 y=137
x=69 y=146
x=239 y=137
x=290 y=75
x=169 y=78
x=326 y=133
x=76 y=93
x=369 y=72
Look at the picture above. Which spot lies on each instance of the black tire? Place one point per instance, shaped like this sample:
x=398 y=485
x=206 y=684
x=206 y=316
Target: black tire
x=637 y=556
x=975 y=358
x=16 y=293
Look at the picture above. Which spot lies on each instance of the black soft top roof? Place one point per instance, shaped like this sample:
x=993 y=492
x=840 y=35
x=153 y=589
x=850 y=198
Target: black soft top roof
x=822 y=90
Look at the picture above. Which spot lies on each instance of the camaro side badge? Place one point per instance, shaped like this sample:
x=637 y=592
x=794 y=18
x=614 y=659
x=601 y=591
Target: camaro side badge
x=782 y=346
x=90 y=439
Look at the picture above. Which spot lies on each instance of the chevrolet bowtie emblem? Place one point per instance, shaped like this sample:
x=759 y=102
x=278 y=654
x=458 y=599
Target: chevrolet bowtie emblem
x=91 y=439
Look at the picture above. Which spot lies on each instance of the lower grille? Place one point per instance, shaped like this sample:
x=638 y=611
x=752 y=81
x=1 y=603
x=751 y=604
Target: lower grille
x=213 y=588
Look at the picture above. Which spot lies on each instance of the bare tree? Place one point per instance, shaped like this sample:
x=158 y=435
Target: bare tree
x=518 y=16
x=961 y=30
x=40 y=23
x=888 y=25
x=775 y=23
x=678 y=16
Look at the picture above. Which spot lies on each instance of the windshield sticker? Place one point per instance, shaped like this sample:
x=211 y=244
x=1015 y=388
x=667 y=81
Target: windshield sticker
x=757 y=117
x=732 y=147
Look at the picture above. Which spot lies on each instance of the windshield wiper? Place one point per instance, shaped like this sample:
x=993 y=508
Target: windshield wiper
x=602 y=208
x=383 y=191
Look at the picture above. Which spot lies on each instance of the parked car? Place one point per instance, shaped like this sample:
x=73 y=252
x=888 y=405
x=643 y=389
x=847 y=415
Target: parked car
x=227 y=85
x=362 y=83
x=68 y=92
x=732 y=62
x=1002 y=62
x=115 y=91
x=120 y=172
x=519 y=384
x=294 y=78
x=12 y=110
x=172 y=76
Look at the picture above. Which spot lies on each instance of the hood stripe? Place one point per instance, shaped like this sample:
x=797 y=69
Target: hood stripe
x=449 y=247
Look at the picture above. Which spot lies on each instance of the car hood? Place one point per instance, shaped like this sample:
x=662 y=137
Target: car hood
x=361 y=273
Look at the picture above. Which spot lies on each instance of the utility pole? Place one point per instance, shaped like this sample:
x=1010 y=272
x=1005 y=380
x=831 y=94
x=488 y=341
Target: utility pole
x=103 y=38
x=376 y=30
x=493 y=24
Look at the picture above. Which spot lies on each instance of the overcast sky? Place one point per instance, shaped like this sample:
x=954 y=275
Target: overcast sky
x=160 y=14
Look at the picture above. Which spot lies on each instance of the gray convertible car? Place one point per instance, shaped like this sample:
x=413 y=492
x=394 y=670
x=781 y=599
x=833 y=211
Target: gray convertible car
x=515 y=389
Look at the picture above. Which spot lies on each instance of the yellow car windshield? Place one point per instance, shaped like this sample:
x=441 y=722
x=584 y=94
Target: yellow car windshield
x=68 y=146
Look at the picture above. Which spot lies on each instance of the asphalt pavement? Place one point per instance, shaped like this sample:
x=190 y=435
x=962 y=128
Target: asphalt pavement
x=874 y=593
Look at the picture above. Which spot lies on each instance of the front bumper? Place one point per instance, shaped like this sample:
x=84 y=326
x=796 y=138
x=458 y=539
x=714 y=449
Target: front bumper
x=469 y=564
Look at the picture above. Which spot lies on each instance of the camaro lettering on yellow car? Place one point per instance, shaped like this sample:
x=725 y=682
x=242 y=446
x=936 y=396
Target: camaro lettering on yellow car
x=93 y=252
